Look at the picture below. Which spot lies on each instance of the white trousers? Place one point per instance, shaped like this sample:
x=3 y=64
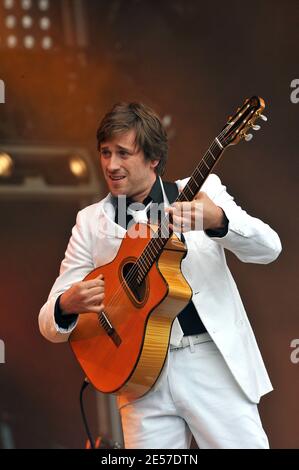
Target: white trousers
x=195 y=394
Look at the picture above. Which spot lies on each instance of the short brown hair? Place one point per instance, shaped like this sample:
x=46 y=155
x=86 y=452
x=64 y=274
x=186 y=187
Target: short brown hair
x=151 y=137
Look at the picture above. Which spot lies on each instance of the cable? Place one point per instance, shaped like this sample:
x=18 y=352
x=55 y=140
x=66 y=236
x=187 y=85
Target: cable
x=83 y=387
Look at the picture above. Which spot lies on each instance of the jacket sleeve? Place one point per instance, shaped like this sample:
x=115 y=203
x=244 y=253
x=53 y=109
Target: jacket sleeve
x=76 y=264
x=250 y=239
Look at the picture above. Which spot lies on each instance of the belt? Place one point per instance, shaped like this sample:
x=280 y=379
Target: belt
x=191 y=340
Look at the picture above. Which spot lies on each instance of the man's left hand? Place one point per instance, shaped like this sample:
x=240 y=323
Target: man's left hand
x=199 y=214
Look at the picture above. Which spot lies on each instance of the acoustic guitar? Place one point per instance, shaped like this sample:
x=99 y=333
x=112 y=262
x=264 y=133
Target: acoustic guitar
x=123 y=349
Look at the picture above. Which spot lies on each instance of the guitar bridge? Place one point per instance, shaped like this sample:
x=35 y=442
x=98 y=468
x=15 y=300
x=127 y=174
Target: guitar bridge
x=111 y=332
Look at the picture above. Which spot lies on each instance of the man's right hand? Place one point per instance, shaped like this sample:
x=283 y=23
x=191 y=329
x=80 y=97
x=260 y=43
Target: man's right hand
x=84 y=297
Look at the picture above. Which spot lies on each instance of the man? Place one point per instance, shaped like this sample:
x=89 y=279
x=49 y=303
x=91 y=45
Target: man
x=214 y=375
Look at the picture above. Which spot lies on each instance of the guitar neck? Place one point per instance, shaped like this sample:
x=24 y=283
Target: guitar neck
x=202 y=171
x=155 y=246
x=234 y=131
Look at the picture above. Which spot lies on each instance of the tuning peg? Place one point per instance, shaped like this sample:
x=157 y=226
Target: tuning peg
x=256 y=127
x=248 y=137
x=264 y=118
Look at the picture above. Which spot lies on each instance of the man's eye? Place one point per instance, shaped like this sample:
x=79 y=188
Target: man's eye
x=123 y=153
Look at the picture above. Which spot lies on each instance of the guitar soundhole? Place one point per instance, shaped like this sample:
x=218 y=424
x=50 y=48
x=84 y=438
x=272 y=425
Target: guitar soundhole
x=131 y=276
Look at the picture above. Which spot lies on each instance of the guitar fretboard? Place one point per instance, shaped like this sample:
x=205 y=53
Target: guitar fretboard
x=155 y=246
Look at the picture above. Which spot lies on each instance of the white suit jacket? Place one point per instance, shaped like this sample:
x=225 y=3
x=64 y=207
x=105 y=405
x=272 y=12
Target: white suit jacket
x=96 y=239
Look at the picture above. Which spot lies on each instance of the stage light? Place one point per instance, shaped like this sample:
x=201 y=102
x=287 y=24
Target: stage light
x=27 y=21
x=44 y=23
x=51 y=172
x=47 y=42
x=8 y=4
x=26 y=4
x=166 y=121
x=78 y=167
x=43 y=5
x=38 y=16
x=53 y=24
x=29 y=42
x=6 y=165
x=10 y=21
x=11 y=41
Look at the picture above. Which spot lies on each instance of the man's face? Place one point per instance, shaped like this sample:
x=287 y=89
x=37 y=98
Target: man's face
x=125 y=168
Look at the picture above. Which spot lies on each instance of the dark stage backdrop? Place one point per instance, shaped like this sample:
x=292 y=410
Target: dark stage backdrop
x=194 y=62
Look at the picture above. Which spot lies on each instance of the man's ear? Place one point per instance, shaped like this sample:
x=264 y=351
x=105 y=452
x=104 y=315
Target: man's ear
x=154 y=163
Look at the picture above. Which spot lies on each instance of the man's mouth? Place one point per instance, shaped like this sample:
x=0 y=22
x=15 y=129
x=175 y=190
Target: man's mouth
x=116 y=178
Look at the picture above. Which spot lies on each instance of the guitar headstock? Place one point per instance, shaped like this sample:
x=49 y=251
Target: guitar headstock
x=242 y=121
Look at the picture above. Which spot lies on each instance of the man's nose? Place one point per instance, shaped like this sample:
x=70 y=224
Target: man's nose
x=114 y=163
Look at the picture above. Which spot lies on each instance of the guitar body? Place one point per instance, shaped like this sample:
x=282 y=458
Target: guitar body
x=130 y=361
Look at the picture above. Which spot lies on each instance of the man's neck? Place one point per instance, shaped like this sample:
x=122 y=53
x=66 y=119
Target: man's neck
x=142 y=196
